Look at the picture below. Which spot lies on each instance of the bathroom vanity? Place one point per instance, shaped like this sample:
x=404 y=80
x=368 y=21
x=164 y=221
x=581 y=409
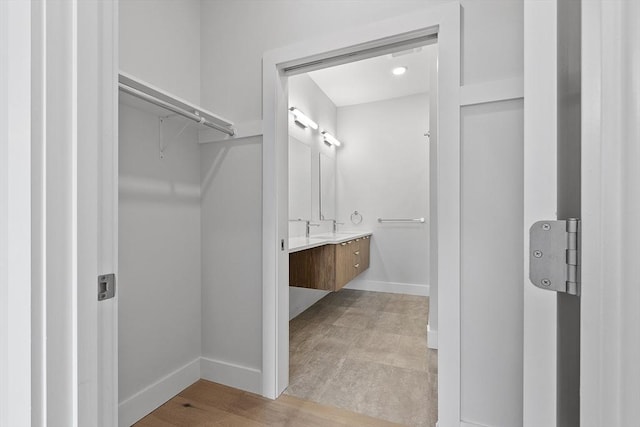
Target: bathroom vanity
x=328 y=262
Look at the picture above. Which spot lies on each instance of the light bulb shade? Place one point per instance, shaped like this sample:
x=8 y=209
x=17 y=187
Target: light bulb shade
x=330 y=139
x=303 y=119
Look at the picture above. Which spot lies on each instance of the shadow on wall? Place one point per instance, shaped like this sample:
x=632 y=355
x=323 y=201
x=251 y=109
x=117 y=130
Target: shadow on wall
x=222 y=150
x=133 y=188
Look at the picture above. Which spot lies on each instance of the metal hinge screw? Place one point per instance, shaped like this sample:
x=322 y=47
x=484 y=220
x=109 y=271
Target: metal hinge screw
x=545 y=282
x=537 y=254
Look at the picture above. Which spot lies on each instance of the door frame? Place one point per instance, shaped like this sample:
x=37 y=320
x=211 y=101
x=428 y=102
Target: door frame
x=15 y=214
x=607 y=388
x=443 y=19
x=62 y=64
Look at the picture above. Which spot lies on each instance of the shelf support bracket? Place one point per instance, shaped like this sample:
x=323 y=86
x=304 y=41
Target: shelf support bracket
x=162 y=146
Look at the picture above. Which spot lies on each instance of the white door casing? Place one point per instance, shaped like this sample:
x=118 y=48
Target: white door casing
x=65 y=93
x=15 y=213
x=610 y=325
x=445 y=20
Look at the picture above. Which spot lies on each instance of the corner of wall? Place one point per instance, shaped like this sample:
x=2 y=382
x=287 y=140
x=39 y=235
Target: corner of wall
x=148 y=399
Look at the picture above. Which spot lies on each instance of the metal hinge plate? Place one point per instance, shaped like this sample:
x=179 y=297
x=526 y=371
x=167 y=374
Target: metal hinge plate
x=106 y=286
x=554 y=255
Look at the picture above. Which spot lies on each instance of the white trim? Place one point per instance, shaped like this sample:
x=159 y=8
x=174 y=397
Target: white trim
x=445 y=19
x=243 y=130
x=493 y=91
x=390 y=287
x=466 y=424
x=15 y=214
x=151 y=397
x=108 y=219
x=599 y=374
x=432 y=338
x=540 y=193
x=609 y=327
x=232 y=375
x=60 y=307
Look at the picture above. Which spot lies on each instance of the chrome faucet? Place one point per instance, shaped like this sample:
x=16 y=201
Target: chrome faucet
x=309 y=224
x=335 y=225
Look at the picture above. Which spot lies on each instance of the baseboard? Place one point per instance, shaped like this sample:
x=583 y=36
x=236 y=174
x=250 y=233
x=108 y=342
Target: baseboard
x=432 y=338
x=229 y=374
x=391 y=287
x=145 y=401
x=465 y=424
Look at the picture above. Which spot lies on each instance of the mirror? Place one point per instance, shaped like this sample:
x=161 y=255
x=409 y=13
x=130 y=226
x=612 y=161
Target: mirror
x=327 y=187
x=299 y=180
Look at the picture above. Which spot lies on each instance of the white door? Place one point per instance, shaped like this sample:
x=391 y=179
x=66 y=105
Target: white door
x=583 y=367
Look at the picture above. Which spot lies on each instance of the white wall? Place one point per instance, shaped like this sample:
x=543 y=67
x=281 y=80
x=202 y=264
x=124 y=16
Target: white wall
x=159 y=251
x=231 y=256
x=305 y=94
x=238 y=32
x=159 y=214
x=160 y=43
x=383 y=171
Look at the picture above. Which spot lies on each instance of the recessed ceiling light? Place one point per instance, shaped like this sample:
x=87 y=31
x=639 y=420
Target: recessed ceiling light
x=398 y=71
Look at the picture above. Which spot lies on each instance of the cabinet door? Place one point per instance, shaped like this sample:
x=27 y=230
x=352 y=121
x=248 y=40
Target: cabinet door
x=344 y=263
x=313 y=268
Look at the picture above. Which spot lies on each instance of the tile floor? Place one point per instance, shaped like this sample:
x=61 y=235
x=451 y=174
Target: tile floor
x=366 y=352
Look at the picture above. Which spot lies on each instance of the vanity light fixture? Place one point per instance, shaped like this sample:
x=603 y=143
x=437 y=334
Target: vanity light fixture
x=330 y=139
x=302 y=119
x=398 y=71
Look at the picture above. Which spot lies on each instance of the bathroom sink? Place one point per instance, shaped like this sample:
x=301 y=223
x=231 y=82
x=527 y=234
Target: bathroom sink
x=340 y=235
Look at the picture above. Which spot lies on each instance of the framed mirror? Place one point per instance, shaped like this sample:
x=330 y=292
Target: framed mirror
x=327 y=191
x=299 y=180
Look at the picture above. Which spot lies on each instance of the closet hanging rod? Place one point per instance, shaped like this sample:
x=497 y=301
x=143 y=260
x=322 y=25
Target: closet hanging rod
x=164 y=104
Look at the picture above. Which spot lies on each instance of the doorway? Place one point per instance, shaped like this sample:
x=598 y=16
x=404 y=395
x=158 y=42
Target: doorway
x=441 y=22
x=360 y=198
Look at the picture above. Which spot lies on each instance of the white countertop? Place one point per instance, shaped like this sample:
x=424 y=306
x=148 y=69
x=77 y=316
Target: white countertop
x=301 y=243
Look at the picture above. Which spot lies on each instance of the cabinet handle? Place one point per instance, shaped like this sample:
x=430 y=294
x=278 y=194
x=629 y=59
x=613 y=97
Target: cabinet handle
x=356 y=253
x=349 y=242
x=343 y=244
x=357 y=240
x=356 y=266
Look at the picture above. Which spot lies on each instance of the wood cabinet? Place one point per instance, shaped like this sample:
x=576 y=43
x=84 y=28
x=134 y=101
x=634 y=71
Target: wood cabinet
x=331 y=266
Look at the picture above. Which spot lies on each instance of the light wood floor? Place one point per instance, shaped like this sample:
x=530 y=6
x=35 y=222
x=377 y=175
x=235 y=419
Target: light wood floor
x=209 y=404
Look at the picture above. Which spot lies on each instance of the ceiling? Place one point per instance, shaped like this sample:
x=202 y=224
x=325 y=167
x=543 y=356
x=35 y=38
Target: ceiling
x=371 y=79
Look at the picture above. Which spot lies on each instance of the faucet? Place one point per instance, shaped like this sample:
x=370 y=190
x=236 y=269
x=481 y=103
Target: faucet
x=309 y=224
x=335 y=225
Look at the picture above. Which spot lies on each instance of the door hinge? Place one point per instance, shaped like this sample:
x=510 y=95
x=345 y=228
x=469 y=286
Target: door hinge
x=554 y=255
x=106 y=286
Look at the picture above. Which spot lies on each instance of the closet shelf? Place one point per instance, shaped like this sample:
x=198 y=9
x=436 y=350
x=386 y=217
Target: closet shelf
x=142 y=95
